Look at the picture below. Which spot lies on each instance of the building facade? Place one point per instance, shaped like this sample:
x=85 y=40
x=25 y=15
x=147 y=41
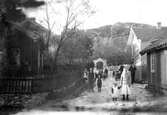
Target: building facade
x=156 y=64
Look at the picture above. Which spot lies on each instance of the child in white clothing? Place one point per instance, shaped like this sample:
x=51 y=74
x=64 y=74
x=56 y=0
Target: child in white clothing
x=115 y=92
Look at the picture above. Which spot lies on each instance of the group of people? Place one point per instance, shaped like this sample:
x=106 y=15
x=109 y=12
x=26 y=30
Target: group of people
x=126 y=80
x=91 y=77
x=121 y=87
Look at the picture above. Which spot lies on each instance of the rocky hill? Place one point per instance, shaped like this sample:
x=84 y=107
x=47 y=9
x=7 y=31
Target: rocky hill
x=117 y=34
x=111 y=40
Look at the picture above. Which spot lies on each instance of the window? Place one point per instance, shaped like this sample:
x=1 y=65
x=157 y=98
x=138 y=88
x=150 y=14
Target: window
x=153 y=62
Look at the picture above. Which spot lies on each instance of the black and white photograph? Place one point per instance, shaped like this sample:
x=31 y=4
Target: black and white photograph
x=83 y=57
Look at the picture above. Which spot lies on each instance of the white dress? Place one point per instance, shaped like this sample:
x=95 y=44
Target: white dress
x=125 y=83
x=85 y=75
x=115 y=92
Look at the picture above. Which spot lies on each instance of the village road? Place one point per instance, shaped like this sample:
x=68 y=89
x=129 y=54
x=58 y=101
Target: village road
x=141 y=101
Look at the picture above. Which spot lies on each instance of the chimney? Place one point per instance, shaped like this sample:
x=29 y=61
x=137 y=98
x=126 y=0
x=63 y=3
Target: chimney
x=159 y=25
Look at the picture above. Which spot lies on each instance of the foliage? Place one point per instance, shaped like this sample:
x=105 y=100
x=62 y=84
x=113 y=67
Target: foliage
x=113 y=52
x=76 y=12
x=77 y=48
x=114 y=47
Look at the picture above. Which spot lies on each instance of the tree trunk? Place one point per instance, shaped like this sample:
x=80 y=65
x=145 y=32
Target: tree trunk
x=56 y=57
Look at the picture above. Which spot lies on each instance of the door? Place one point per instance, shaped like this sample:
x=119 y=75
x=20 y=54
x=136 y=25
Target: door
x=152 y=68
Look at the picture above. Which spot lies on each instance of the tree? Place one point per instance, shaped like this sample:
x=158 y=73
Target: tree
x=77 y=48
x=76 y=12
x=49 y=25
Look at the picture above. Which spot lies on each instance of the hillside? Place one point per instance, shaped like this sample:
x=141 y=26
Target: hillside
x=110 y=41
x=119 y=29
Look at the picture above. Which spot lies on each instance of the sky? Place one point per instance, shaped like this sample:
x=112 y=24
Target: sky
x=109 y=12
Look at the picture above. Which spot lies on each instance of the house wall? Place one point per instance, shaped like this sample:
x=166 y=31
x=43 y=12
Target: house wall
x=138 y=74
x=144 y=68
x=148 y=70
x=144 y=65
x=158 y=71
x=153 y=70
x=29 y=52
x=164 y=69
x=158 y=79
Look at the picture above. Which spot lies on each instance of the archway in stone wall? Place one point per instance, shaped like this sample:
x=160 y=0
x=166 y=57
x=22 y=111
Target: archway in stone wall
x=99 y=65
x=100 y=62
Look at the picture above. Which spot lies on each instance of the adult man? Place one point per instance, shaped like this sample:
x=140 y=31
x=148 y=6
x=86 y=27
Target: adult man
x=132 y=69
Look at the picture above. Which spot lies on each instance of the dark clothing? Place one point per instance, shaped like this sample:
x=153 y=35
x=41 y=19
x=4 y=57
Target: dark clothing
x=99 y=84
x=91 y=80
x=132 y=69
x=125 y=97
x=96 y=75
x=91 y=77
x=121 y=69
x=106 y=70
x=105 y=73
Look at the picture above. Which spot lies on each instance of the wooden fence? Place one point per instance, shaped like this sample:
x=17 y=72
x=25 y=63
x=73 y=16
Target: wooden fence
x=25 y=85
x=39 y=83
x=15 y=85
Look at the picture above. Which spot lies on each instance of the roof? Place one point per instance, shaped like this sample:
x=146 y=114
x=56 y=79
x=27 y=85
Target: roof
x=145 y=44
x=30 y=33
x=152 y=38
x=20 y=28
x=34 y=29
x=99 y=59
x=147 y=33
x=155 y=45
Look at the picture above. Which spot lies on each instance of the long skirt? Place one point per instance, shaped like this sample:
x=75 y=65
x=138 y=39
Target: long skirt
x=125 y=90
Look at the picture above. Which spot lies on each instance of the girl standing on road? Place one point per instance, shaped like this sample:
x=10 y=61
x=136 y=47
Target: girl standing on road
x=99 y=83
x=125 y=84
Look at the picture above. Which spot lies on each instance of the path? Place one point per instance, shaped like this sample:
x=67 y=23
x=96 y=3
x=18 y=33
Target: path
x=140 y=101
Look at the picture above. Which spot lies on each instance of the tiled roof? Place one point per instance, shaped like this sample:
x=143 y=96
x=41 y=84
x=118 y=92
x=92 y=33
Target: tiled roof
x=27 y=32
x=150 y=33
x=34 y=29
x=145 y=34
x=20 y=28
x=155 y=45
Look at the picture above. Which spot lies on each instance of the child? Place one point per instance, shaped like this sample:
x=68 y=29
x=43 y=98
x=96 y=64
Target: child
x=85 y=76
x=99 y=83
x=115 y=92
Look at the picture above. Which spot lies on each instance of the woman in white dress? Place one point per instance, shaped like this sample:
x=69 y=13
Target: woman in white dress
x=125 y=82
